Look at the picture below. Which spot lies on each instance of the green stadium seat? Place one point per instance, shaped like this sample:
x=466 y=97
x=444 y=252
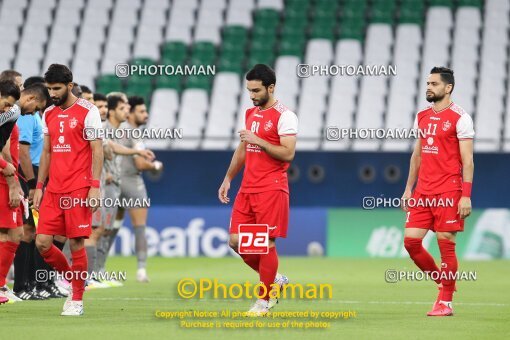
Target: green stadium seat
x=292 y=35
x=443 y=3
x=324 y=14
x=300 y=14
x=174 y=50
x=352 y=30
x=199 y=82
x=143 y=61
x=169 y=82
x=263 y=41
x=410 y=16
x=469 y=3
x=139 y=80
x=203 y=53
x=203 y=48
x=232 y=56
x=354 y=9
x=108 y=83
x=380 y=15
x=228 y=65
x=139 y=90
x=292 y=45
x=327 y=5
x=412 y=5
x=297 y=3
x=236 y=34
x=267 y=17
x=262 y=30
x=261 y=57
x=232 y=47
x=322 y=32
x=294 y=24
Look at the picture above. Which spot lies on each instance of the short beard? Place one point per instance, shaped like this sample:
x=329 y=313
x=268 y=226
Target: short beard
x=62 y=100
x=263 y=101
x=434 y=98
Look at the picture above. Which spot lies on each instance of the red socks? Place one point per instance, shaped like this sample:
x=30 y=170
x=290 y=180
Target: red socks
x=421 y=256
x=251 y=260
x=7 y=252
x=55 y=258
x=79 y=269
x=268 y=266
x=449 y=266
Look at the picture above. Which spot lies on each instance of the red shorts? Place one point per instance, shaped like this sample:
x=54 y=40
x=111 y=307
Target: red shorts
x=269 y=207
x=440 y=216
x=71 y=223
x=10 y=218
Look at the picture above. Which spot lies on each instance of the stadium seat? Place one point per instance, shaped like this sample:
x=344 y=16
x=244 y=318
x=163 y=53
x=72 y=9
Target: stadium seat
x=220 y=122
x=193 y=108
x=401 y=108
x=164 y=107
x=92 y=36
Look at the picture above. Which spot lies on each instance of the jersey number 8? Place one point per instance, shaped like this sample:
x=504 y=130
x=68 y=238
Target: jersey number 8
x=255 y=127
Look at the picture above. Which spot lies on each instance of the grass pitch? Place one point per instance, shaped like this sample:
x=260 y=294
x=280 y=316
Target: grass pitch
x=383 y=310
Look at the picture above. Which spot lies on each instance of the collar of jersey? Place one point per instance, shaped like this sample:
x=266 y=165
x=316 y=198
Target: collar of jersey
x=276 y=102
x=442 y=109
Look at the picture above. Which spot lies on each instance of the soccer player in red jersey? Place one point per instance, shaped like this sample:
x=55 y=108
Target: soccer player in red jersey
x=266 y=149
x=442 y=164
x=74 y=165
x=11 y=223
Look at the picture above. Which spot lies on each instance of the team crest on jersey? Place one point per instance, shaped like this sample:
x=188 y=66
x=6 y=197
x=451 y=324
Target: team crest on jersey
x=446 y=125
x=73 y=122
x=268 y=125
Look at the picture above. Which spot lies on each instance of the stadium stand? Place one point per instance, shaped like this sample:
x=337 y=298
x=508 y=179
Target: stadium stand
x=92 y=36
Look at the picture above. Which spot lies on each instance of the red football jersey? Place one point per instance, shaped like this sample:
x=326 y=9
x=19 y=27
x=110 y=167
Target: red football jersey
x=441 y=163
x=14 y=150
x=261 y=171
x=71 y=155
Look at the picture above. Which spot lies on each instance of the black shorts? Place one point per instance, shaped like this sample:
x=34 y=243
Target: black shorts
x=24 y=187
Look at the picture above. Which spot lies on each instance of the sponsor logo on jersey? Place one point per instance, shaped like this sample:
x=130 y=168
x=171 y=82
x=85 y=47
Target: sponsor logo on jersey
x=257 y=115
x=434 y=118
x=253 y=148
x=446 y=125
x=430 y=149
x=451 y=221
x=83 y=226
x=62 y=147
x=62 y=116
x=73 y=122
x=430 y=141
x=268 y=125
x=61 y=139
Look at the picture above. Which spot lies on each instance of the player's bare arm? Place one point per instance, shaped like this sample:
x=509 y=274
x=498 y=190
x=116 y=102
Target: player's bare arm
x=468 y=168
x=12 y=182
x=26 y=166
x=44 y=166
x=107 y=152
x=414 y=167
x=284 y=152
x=143 y=164
x=97 y=167
x=8 y=169
x=120 y=149
x=236 y=164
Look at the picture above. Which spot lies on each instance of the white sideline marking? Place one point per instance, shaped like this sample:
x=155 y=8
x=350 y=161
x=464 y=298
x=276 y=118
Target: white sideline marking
x=323 y=301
